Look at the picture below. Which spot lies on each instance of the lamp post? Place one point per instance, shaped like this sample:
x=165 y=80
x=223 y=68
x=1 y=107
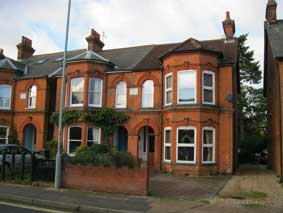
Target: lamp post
x=58 y=172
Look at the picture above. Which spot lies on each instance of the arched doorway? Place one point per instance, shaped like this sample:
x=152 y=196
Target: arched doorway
x=146 y=145
x=30 y=137
x=121 y=138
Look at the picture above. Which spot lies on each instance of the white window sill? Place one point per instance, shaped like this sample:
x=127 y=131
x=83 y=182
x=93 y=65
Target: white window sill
x=30 y=108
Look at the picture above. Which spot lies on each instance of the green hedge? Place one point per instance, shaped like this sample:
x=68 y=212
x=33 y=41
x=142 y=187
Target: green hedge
x=101 y=155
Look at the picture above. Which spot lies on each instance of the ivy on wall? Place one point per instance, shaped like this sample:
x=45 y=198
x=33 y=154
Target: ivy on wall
x=106 y=118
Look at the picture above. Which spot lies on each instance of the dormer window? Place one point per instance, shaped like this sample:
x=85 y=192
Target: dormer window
x=77 y=92
x=5 y=96
x=32 y=97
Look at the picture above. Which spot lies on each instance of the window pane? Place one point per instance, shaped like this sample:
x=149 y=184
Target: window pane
x=208 y=80
x=186 y=153
x=167 y=154
x=77 y=84
x=186 y=136
x=169 y=97
x=208 y=95
x=75 y=133
x=147 y=93
x=77 y=97
x=92 y=136
x=207 y=154
x=3 y=132
x=73 y=146
x=167 y=136
x=5 y=92
x=3 y=141
x=121 y=94
x=186 y=86
x=169 y=82
x=207 y=137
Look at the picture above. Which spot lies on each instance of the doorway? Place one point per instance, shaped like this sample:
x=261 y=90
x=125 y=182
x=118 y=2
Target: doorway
x=121 y=138
x=146 y=145
x=30 y=137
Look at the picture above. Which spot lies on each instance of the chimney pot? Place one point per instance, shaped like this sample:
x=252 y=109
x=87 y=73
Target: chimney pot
x=1 y=52
x=228 y=15
x=94 y=42
x=270 y=13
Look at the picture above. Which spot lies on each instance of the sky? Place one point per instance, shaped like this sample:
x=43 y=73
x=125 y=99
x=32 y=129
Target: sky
x=128 y=22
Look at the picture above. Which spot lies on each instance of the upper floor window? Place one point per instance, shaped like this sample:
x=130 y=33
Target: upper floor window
x=4 y=133
x=186 y=144
x=95 y=92
x=208 y=87
x=5 y=96
x=147 y=93
x=93 y=136
x=208 y=145
x=32 y=97
x=121 y=95
x=187 y=87
x=74 y=139
x=77 y=92
x=168 y=89
x=167 y=143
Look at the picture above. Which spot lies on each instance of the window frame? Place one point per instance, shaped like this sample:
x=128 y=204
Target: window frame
x=152 y=95
x=99 y=136
x=168 y=90
x=186 y=145
x=7 y=134
x=29 y=97
x=209 y=145
x=116 y=96
x=68 y=142
x=10 y=97
x=208 y=87
x=93 y=92
x=71 y=92
x=178 y=87
x=167 y=144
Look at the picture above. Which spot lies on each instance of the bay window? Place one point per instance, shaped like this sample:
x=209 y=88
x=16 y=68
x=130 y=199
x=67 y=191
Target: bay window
x=4 y=133
x=93 y=136
x=208 y=145
x=168 y=89
x=95 y=92
x=74 y=139
x=208 y=87
x=147 y=94
x=121 y=95
x=5 y=96
x=77 y=92
x=32 y=97
x=187 y=87
x=167 y=144
x=186 y=145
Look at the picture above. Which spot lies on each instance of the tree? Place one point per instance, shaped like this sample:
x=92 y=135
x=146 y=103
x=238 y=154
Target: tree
x=252 y=104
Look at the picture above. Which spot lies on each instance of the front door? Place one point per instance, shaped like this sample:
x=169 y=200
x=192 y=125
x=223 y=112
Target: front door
x=30 y=137
x=146 y=145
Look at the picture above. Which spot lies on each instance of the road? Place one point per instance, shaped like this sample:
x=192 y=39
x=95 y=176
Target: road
x=17 y=208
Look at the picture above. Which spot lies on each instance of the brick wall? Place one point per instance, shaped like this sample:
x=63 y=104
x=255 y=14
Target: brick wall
x=107 y=179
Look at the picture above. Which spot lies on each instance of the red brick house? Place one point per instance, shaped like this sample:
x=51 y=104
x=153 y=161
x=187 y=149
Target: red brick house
x=273 y=85
x=181 y=99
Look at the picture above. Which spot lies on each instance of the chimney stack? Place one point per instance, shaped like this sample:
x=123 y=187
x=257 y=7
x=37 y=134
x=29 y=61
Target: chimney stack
x=1 y=53
x=229 y=27
x=270 y=13
x=94 y=42
x=25 y=49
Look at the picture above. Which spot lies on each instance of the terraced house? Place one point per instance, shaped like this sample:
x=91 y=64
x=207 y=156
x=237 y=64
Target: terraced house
x=181 y=99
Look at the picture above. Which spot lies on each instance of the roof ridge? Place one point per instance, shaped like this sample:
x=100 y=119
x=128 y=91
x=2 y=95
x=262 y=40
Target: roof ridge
x=44 y=54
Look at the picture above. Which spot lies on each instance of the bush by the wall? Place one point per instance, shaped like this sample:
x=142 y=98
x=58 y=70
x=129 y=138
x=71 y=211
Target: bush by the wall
x=52 y=147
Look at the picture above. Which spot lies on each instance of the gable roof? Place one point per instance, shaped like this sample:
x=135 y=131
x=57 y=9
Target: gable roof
x=126 y=59
x=275 y=35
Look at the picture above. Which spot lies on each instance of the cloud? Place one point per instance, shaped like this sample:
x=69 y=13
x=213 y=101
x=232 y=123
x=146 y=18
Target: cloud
x=128 y=22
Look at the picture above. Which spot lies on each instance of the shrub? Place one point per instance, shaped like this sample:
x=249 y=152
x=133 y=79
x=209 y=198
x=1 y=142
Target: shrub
x=99 y=154
x=52 y=147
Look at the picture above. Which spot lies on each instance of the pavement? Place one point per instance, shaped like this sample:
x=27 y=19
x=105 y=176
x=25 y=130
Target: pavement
x=253 y=189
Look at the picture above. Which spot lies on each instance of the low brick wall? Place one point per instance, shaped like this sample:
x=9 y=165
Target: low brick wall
x=106 y=179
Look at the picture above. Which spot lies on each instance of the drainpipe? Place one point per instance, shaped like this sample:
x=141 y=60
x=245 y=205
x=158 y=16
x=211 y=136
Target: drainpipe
x=280 y=123
x=161 y=116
